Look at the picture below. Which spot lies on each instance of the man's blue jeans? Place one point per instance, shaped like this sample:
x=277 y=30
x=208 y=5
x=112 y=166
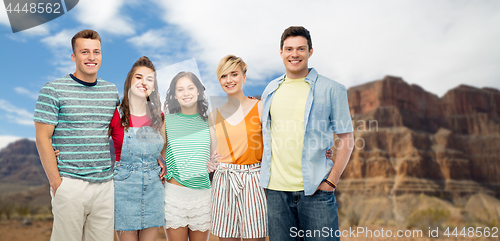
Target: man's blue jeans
x=294 y=216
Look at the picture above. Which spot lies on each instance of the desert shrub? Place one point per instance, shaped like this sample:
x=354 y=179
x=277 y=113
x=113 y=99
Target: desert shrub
x=483 y=218
x=428 y=218
x=22 y=210
x=6 y=207
x=353 y=218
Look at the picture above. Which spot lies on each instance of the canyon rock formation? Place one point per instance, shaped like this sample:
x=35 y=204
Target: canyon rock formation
x=410 y=141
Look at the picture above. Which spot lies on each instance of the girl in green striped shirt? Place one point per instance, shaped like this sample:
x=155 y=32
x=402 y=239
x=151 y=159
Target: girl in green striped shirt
x=187 y=190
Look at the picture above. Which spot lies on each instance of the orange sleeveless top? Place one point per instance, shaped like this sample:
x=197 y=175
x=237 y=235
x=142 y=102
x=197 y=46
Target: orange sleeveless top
x=240 y=144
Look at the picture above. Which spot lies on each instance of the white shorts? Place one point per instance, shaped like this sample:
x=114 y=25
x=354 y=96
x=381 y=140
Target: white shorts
x=239 y=205
x=187 y=207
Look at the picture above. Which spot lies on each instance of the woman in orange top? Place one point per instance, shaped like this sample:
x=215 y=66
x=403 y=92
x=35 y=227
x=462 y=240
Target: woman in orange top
x=239 y=205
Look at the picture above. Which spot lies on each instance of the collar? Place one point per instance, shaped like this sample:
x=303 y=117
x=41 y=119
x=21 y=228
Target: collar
x=83 y=82
x=310 y=78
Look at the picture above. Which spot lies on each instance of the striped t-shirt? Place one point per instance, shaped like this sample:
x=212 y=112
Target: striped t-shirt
x=81 y=113
x=188 y=150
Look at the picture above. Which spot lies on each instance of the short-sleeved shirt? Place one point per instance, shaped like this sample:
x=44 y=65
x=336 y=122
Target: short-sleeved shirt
x=81 y=113
x=326 y=112
x=188 y=150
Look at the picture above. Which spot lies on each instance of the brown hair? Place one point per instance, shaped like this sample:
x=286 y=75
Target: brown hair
x=87 y=33
x=294 y=31
x=153 y=100
x=229 y=63
x=172 y=105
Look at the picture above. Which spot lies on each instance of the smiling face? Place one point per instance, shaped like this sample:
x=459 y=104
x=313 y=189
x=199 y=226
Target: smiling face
x=143 y=82
x=87 y=57
x=295 y=55
x=232 y=82
x=186 y=93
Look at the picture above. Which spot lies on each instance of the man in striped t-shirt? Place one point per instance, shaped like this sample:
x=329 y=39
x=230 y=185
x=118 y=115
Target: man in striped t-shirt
x=72 y=115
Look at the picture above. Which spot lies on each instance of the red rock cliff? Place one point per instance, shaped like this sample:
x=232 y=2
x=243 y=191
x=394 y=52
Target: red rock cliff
x=411 y=141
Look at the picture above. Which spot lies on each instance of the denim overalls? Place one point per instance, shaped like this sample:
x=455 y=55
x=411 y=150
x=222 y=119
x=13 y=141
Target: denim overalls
x=139 y=200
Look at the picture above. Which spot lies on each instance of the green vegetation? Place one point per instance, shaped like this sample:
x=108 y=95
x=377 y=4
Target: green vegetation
x=428 y=218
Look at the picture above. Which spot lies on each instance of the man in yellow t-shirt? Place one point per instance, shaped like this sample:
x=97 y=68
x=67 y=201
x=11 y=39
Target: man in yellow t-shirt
x=302 y=111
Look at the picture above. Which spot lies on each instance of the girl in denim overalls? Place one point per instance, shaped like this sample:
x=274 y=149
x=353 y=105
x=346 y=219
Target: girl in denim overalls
x=139 y=140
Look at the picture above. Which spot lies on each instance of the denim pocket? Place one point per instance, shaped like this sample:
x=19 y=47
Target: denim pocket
x=323 y=196
x=121 y=174
x=144 y=142
x=324 y=192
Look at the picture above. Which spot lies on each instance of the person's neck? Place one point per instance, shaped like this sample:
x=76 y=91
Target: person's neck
x=189 y=111
x=299 y=75
x=237 y=100
x=85 y=77
x=138 y=106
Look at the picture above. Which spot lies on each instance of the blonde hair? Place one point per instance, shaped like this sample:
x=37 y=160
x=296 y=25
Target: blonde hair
x=229 y=63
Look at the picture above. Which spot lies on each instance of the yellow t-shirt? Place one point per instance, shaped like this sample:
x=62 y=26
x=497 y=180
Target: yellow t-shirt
x=287 y=135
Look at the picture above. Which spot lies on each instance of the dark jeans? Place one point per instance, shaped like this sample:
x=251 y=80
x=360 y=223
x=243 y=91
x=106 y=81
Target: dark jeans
x=294 y=216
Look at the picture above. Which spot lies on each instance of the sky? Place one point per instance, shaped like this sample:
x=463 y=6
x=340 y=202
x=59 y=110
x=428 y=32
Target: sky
x=437 y=45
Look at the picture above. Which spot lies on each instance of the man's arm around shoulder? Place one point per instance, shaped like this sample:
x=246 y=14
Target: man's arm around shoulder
x=46 y=152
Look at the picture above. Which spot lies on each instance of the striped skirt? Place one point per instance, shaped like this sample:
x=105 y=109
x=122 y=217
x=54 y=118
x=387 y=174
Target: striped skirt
x=239 y=205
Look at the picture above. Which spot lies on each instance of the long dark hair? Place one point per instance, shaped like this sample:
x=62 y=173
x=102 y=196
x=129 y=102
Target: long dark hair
x=153 y=109
x=172 y=105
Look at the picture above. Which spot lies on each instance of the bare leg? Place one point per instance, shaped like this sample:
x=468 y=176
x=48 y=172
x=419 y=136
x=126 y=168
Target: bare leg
x=127 y=235
x=148 y=234
x=198 y=235
x=178 y=234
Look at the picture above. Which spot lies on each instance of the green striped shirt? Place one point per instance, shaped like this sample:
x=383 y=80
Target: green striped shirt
x=188 y=150
x=81 y=115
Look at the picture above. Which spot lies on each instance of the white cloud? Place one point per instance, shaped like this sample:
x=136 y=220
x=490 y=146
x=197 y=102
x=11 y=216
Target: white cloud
x=150 y=39
x=163 y=46
x=15 y=114
x=31 y=33
x=60 y=45
x=40 y=30
x=104 y=16
x=26 y=92
x=60 y=40
x=437 y=45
